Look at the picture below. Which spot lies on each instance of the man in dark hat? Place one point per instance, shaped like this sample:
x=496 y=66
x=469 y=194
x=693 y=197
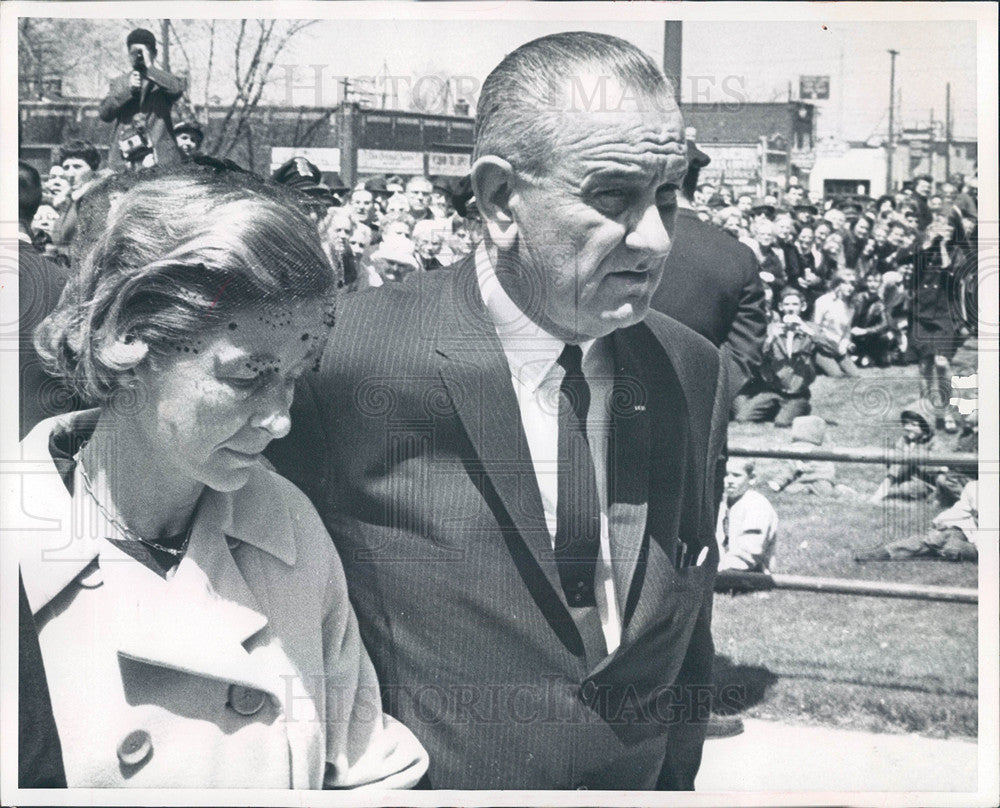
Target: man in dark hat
x=139 y=103
x=804 y=214
x=301 y=175
x=189 y=136
x=339 y=190
x=441 y=195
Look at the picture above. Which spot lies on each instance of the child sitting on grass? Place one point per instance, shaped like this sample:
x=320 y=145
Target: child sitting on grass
x=747 y=528
x=905 y=479
x=808 y=476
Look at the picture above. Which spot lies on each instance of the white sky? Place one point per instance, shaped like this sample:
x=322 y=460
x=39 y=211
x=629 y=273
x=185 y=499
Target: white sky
x=468 y=41
x=764 y=56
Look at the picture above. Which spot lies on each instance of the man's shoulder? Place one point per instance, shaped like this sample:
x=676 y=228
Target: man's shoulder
x=399 y=319
x=708 y=237
x=691 y=355
x=417 y=291
x=757 y=502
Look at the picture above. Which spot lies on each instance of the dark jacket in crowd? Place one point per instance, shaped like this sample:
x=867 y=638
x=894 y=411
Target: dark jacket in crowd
x=935 y=310
x=711 y=283
x=159 y=92
x=789 y=365
x=40 y=282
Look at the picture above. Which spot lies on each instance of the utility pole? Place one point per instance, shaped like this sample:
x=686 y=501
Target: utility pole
x=673 y=44
x=947 y=132
x=165 y=42
x=892 y=104
x=930 y=147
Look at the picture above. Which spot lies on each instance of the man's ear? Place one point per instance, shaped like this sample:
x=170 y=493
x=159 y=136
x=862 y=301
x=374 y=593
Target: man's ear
x=493 y=185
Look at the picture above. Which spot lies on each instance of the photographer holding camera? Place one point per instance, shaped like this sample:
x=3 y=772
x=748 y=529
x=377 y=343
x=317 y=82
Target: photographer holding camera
x=139 y=102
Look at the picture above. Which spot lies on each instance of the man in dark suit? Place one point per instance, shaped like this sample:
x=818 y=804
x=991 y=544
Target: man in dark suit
x=516 y=462
x=711 y=283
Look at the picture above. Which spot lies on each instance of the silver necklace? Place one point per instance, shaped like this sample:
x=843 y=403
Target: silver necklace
x=121 y=527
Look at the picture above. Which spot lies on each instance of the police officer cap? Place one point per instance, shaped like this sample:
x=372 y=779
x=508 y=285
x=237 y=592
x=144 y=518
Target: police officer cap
x=140 y=36
x=300 y=174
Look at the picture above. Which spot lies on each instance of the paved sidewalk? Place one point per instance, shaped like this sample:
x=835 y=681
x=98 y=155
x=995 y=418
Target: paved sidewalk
x=780 y=757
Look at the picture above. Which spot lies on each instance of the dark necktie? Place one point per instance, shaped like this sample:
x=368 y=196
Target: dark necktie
x=578 y=509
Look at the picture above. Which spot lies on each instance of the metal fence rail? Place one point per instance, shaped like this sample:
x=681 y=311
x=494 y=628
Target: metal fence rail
x=956 y=460
x=763 y=581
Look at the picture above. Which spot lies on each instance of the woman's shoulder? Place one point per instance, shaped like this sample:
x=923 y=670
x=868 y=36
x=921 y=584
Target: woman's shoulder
x=273 y=514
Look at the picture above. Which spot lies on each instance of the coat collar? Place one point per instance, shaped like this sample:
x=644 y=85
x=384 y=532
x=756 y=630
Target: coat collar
x=60 y=546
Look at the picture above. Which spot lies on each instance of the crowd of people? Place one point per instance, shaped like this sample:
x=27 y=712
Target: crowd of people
x=187 y=300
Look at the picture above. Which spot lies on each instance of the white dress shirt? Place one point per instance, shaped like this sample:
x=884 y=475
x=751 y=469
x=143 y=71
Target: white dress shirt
x=531 y=355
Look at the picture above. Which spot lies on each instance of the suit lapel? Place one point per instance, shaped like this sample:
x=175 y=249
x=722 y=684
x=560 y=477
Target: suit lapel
x=628 y=465
x=652 y=463
x=474 y=369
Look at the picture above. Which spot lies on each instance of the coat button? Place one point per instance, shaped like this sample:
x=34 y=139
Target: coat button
x=232 y=543
x=135 y=748
x=246 y=700
x=583 y=787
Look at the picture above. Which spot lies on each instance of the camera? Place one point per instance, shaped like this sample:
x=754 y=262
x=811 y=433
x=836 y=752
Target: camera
x=134 y=142
x=138 y=60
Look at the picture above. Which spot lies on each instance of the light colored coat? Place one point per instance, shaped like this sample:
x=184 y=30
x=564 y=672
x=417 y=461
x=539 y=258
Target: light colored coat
x=259 y=602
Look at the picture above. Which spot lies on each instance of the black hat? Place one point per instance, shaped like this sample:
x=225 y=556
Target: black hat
x=443 y=185
x=696 y=157
x=192 y=126
x=376 y=185
x=303 y=176
x=914 y=417
x=812 y=210
x=762 y=207
x=140 y=36
x=300 y=174
x=336 y=183
x=717 y=202
x=463 y=199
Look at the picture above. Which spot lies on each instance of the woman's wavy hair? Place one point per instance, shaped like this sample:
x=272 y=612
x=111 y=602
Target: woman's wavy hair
x=179 y=252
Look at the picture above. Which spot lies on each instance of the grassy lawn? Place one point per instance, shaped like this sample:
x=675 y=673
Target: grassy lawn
x=868 y=663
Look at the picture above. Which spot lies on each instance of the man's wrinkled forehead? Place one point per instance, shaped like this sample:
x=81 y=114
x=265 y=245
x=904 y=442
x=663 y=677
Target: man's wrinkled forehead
x=604 y=118
x=594 y=91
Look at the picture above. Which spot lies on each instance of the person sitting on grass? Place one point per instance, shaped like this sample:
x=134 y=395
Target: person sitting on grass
x=747 y=528
x=957 y=434
x=905 y=479
x=952 y=536
x=832 y=317
x=780 y=390
x=808 y=476
x=871 y=330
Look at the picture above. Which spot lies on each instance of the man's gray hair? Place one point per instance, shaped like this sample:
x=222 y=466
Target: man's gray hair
x=523 y=101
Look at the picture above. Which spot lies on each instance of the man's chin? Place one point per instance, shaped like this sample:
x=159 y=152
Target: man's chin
x=628 y=313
